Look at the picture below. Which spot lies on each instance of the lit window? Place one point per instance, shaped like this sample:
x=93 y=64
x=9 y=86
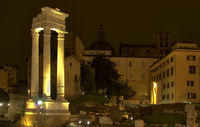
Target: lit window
x=192 y=69
x=191 y=95
x=190 y=83
x=191 y=58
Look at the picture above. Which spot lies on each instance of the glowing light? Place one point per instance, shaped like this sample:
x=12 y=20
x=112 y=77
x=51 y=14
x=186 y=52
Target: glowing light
x=31 y=105
x=1 y=104
x=88 y=122
x=28 y=113
x=39 y=102
x=154 y=93
x=8 y=104
x=39 y=29
x=79 y=122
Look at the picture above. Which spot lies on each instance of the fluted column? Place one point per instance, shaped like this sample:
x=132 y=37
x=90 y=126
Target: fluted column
x=35 y=65
x=47 y=64
x=60 y=67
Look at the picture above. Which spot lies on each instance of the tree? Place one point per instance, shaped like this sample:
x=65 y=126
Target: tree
x=106 y=76
x=87 y=78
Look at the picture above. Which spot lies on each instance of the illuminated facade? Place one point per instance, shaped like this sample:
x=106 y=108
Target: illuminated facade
x=50 y=20
x=177 y=75
x=8 y=76
x=133 y=70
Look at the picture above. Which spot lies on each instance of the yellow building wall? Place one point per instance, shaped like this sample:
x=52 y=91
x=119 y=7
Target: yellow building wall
x=72 y=86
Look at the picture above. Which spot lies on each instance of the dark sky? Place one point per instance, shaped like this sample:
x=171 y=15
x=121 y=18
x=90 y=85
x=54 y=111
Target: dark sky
x=127 y=21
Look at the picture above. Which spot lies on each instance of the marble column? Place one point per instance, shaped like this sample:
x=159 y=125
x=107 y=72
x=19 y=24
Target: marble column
x=35 y=65
x=47 y=64
x=60 y=67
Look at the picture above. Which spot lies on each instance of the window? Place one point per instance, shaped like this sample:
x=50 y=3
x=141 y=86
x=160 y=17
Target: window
x=130 y=64
x=190 y=83
x=172 y=70
x=167 y=96
x=192 y=69
x=191 y=95
x=163 y=74
x=172 y=84
x=172 y=96
x=163 y=97
x=191 y=58
x=167 y=85
x=171 y=59
x=142 y=64
x=164 y=86
x=70 y=64
x=160 y=76
x=130 y=76
x=167 y=62
x=163 y=64
x=143 y=76
x=75 y=78
x=118 y=63
x=167 y=72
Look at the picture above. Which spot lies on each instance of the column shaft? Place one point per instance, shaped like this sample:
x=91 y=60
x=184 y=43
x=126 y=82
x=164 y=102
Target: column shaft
x=47 y=64
x=35 y=65
x=60 y=67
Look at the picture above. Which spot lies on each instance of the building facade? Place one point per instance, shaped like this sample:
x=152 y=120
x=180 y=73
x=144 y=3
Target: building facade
x=175 y=77
x=8 y=76
x=133 y=70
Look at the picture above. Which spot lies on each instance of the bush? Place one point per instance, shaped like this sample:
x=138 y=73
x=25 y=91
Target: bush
x=169 y=119
x=85 y=101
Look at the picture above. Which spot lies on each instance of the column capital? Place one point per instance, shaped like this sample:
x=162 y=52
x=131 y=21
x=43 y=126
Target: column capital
x=61 y=34
x=34 y=32
x=47 y=31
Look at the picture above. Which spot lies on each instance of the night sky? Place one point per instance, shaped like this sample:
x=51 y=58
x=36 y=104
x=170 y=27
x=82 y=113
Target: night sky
x=125 y=21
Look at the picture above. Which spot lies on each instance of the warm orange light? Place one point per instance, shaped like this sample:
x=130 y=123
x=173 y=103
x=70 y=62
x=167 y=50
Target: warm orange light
x=154 y=93
x=31 y=105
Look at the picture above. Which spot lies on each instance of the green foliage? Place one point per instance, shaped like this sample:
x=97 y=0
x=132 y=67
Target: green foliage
x=107 y=78
x=83 y=101
x=87 y=79
x=169 y=119
x=105 y=73
x=4 y=95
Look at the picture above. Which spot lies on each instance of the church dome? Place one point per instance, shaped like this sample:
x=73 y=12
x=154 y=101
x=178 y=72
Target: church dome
x=101 y=43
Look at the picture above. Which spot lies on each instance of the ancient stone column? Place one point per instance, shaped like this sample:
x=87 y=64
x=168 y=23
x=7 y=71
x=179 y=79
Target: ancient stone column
x=35 y=65
x=47 y=64
x=60 y=67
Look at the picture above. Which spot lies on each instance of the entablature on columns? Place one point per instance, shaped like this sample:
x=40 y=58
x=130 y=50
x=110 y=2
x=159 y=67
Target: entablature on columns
x=52 y=18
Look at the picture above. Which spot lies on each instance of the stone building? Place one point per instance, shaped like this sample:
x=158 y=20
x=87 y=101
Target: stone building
x=162 y=47
x=133 y=70
x=175 y=77
x=8 y=76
